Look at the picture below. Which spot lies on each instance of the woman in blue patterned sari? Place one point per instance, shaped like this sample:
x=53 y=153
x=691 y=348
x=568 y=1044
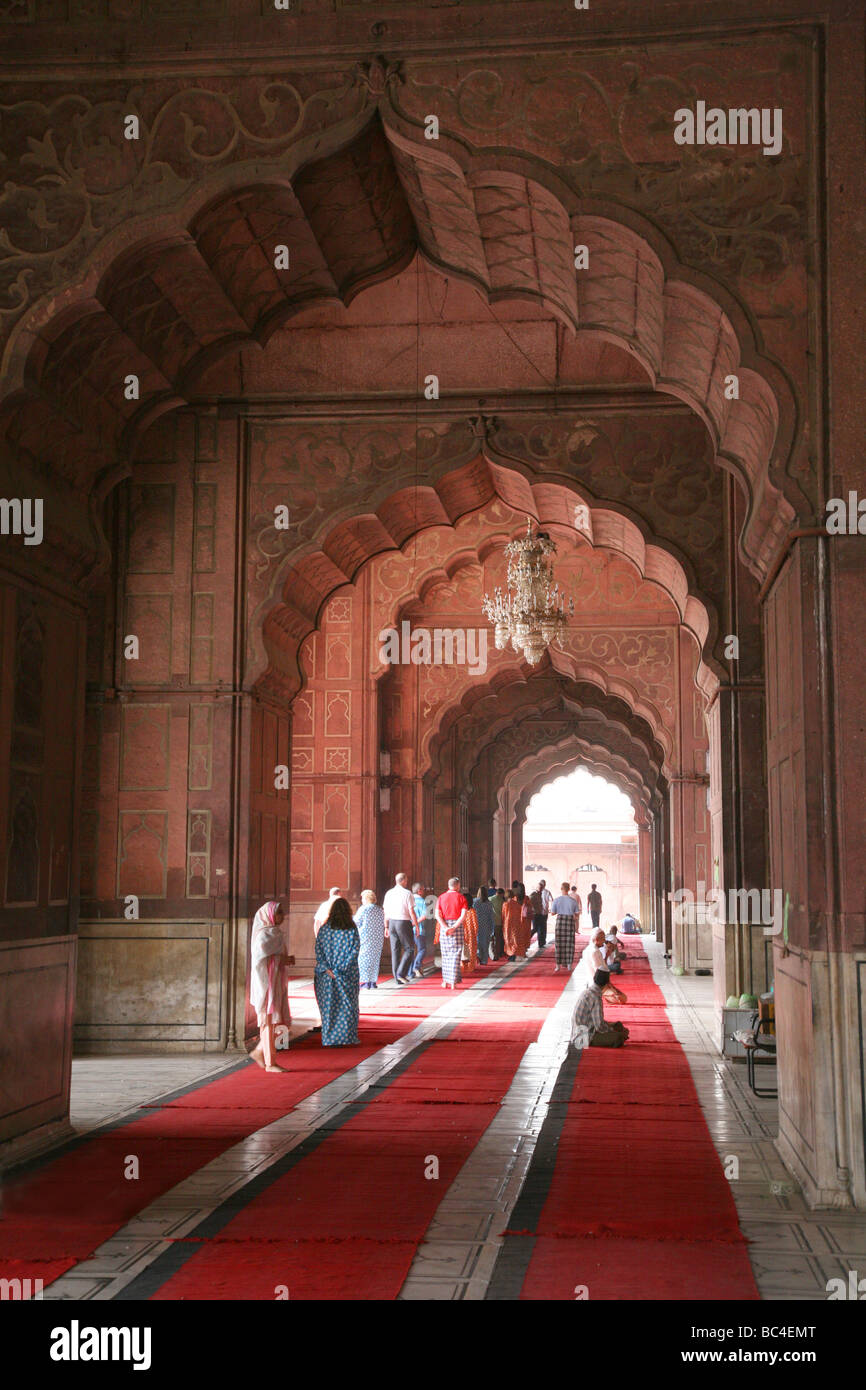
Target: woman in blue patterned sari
x=337 y=977
x=370 y=921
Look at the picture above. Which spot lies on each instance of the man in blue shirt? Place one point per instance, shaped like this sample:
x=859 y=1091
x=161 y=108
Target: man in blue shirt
x=417 y=968
x=563 y=936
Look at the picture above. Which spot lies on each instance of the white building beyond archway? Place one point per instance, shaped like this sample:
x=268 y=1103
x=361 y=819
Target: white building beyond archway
x=582 y=828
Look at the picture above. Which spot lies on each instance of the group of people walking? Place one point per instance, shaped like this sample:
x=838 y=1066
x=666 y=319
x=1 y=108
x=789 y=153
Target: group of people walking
x=349 y=947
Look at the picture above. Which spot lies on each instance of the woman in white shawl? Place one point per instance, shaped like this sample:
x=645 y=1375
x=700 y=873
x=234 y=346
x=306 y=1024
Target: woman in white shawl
x=269 y=982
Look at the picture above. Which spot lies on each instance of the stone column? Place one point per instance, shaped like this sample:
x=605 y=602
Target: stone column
x=815 y=633
x=741 y=949
x=645 y=869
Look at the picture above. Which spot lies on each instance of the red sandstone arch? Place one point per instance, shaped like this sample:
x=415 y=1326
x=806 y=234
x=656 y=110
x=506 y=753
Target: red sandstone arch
x=555 y=760
x=456 y=501
x=613 y=739
x=485 y=719
x=166 y=299
x=551 y=763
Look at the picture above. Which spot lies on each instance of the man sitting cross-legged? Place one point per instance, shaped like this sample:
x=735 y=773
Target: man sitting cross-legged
x=588 y=1025
x=613 y=952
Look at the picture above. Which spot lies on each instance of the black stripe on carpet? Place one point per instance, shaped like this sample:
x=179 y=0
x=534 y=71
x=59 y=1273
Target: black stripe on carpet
x=512 y=1262
x=167 y=1264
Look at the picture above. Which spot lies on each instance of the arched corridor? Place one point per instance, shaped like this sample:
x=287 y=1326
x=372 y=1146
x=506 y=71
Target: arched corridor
x=298 y=351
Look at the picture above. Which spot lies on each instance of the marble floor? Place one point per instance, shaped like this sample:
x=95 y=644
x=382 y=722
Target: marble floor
x=105 y=1090
x=794 y=1251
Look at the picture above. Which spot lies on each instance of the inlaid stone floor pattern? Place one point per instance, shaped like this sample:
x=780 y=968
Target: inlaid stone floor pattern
x=793 y=1251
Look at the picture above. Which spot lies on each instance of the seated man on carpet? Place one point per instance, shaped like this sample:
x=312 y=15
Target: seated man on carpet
x=630 y=925
x=589 y=1027
x=612 y=953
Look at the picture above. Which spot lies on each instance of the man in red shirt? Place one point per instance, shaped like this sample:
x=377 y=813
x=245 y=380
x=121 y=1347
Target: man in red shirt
x=450 y=914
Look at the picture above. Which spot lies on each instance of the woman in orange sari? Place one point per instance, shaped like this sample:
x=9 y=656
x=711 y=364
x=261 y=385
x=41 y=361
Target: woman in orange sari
x=470 y=937
x=514 y=928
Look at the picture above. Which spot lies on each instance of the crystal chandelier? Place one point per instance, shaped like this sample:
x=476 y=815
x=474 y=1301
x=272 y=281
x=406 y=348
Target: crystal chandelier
x=533 y=612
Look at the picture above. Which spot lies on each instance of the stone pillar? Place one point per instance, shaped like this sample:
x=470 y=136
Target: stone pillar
x=691 y=934
x=664 y=876
x=500 y=837
x=645 y=869
x=742 y=951
x=738 y=792
x=480 y=845
x=689 y=818
x=815 y=633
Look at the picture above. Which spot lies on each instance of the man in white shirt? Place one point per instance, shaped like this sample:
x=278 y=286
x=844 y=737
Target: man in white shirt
x=539 y=914
x=546 y=896
x=398 y=906
x=592 y=958
x=323 y=910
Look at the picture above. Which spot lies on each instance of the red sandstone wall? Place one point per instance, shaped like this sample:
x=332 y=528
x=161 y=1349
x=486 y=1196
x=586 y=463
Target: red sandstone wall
x=41 y=679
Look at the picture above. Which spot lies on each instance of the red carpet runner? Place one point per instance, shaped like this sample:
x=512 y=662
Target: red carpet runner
x=638 y=1206
x=345 y=1222
x=59 y=1213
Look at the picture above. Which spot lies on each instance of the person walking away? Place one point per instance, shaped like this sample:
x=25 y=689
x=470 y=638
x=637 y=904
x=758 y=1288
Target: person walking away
x=337 y=978
x=418 y=937
x=398 y=906
x=573 y=893
x=565 y=909
x=513 y=929
x=324 y=908
x=470 y=936
x=497 y=902
x=539 y=917
x=428 y=921
x=546 y=904
x=370 y=921
x=589 y=1028
x=486 y=924
x=269 y=982
x=593 y=902
x=450 y=914
x=525 y=922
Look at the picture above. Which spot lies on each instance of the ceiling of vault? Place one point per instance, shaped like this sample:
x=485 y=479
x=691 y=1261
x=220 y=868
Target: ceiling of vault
x=166 y=311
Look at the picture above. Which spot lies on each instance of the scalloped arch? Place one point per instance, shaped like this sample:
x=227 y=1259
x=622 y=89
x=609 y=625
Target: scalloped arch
x=483 y=707
x=306 y=583
x=168 y=294
x=559 y=759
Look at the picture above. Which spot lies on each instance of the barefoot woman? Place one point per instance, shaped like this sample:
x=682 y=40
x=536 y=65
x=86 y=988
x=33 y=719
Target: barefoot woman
x=269 y=981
